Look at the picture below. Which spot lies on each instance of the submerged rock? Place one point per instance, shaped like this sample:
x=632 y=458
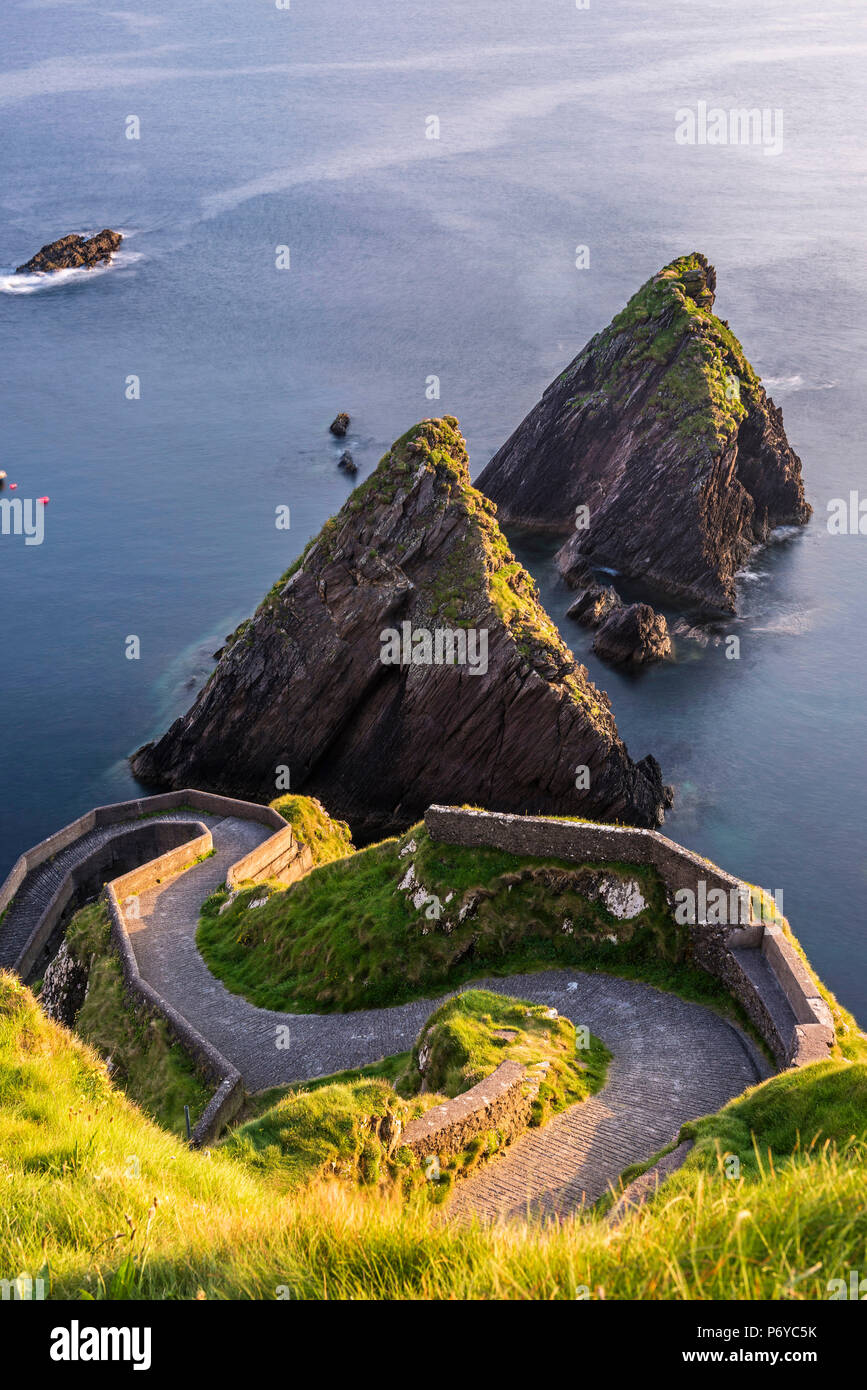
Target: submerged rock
x=338 y=676
x=633 y=636
x=340 y=424
x=657 y=448
x=74 y=252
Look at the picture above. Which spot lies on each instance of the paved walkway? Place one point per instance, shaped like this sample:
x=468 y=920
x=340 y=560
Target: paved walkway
x=673 y=1061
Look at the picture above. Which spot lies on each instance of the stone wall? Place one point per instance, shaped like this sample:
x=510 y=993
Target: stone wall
x=85 y=879
x=281 y=857
x=797 y=1034
x=503 y=1101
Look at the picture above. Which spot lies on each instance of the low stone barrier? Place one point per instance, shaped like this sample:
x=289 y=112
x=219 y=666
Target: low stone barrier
x=804 y=1035
x=229 y=1094
x=503 y=1101
x=281 y=857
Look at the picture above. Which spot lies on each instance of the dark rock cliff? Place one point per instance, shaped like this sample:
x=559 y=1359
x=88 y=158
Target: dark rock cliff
x=303 y=684
x=661 y=429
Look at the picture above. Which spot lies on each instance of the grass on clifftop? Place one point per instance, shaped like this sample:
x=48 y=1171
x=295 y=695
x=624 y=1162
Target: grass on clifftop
x=348 y=936
x=707 y=382
x=327 y=839
x=150 y=1066
x=185 y=1224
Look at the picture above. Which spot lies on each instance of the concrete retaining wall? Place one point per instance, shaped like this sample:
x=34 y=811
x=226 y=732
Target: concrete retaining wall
x=719 y=949
x=503 y=1101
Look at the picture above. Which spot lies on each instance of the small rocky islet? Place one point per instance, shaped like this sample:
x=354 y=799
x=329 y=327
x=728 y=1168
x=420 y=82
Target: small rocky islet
x=73 y=252
x=657 y=452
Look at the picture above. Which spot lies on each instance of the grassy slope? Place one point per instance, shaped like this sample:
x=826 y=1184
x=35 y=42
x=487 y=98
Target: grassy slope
x=152 y=1068
x=67 y=1192
x=345 y=938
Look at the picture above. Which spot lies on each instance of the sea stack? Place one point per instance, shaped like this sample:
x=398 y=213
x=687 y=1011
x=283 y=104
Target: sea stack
x=657 y=450
x=405 y=659
x=74 y=252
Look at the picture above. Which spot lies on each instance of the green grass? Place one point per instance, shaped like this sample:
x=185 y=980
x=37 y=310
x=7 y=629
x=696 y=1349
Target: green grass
x=183 y=1224
x=824 y=1104
x=469 y=1036
x=331 y=1130
x=345 y=937
x=151 y=1067
x=328 y=839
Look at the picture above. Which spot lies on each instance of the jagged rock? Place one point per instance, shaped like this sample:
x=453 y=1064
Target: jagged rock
x=633 y=636
x=340 y=424
x=74 y=252
x=593 y=604
x=416 y=553
x=348 y=462
x=64 y=987
x=662 y=430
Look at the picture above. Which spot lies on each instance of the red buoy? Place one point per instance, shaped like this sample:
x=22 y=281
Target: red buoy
x=43 y=499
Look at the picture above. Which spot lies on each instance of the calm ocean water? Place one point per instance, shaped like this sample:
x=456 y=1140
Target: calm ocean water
x=413 y=258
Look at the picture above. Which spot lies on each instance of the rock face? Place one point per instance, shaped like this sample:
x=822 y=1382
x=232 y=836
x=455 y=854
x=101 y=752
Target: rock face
x=593 y=604
x=405 y=659
x=64 y=987
x=74 y=252
x=633 y=636
x=662 y=431
x=340 y=424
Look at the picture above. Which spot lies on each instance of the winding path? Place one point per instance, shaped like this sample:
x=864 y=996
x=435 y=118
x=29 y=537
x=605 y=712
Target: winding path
x=673 y=1061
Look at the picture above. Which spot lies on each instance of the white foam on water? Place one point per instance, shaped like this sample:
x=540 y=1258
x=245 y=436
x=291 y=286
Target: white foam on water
x=11 y=282
x=783 y=384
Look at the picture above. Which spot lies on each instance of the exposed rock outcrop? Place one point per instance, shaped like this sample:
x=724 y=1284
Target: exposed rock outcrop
x=347 y=462
x=74 y=252
x=661 y=429
x=64 y=987
x=340 y=424
x=633 y=636
x=593 y=604
x=337 y=676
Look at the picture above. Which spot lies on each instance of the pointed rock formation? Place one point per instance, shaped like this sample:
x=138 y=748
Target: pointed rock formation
x=337 y=675
x=662 y=431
